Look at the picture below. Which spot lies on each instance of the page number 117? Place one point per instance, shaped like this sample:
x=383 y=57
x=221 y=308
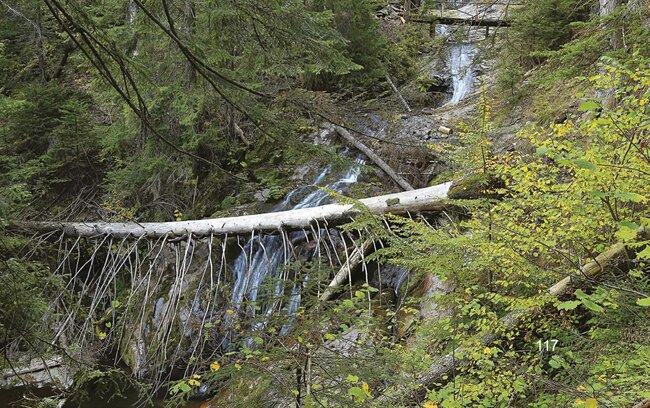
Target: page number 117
x=548 y=345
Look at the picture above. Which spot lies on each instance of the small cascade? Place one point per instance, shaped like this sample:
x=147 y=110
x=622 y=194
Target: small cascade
x=261 y=258
x=132 y=12
x=460 y=65
x=461 y=71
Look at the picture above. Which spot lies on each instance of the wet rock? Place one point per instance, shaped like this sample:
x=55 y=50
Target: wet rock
x=162 y=326
x=262 y=195
x=350 y=343
x=391 y=276
x=428 y=287
x=323 y=137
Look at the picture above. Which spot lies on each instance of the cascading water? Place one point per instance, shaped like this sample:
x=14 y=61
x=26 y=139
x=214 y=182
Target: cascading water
x=461 y=71
x=261 y=259
x=460 y=65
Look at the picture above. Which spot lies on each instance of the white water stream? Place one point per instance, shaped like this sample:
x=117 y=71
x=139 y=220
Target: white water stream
x=261 y=259
x=460 y=64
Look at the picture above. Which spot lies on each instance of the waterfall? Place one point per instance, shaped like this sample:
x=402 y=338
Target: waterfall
x=461 y=71
x=460 y=65
x=132 y=12
x=261 y=257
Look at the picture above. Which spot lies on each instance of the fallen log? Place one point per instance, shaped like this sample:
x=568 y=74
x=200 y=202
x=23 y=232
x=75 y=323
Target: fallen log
x=425 y=199
x=445 y=130
x=32 y=366
x=398 y=93
x=375 y=159
x=445 y=365
x=643 y=404
x=39 y=373
x=240 y=134
x=342 y=275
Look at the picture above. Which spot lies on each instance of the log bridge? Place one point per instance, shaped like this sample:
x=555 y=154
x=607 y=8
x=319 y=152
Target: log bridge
x=477 y=14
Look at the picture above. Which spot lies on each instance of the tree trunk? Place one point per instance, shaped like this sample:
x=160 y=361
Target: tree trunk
x=607 y=7
x=355 y=258
x=425 y=199
x=637 y=6
x=188 y=30
x=398 y=93
x=131 y=16
x=608 y=95
x=442 y=370
x=40 y=44
x=375 y=159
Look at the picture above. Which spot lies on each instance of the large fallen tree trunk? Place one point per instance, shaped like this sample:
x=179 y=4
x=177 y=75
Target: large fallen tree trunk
x=375 y=159
x=425 y=199
x=444 y=366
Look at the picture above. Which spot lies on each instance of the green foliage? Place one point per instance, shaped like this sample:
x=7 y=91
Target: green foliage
x=375 y=50
x=546 y=91
x=539 y=29
x=581 y=191
x=24 y=302
x=109 y=387
x=567 y=202
x=543 y=26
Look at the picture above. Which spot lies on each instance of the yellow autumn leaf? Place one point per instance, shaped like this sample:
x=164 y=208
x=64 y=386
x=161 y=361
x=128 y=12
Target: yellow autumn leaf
x=366 y=388
x=194 y=383
x=214 y=366
x=430 y=404
x=591 y=403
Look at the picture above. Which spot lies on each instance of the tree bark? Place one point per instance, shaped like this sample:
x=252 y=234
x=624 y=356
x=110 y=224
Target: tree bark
x=425 y=199
x=443 y=368
x=607 y=7
x=398 y=93
x=608 y=95
x=375 y=159
x=40 y=42
x=342 y=275
x=239 y=132
x=643 y=404
x=188 y=31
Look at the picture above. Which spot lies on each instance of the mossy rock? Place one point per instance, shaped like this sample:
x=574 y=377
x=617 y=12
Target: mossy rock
x=475 y=186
